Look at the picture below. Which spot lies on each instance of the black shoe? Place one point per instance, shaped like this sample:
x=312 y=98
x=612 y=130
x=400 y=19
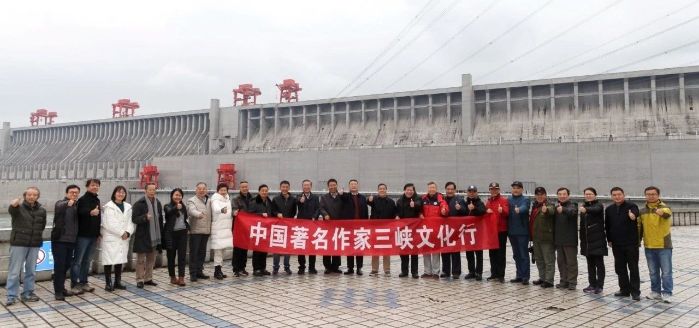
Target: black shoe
x=359 y=272
x=301 y=272
x=218 y=273
x=546 y=285
x=636 y=297
x=201 y=275
x=236 y=274
x=402 y=275
x=456 y=275
x=338 y=271
x=150 y=283
x=349 y=272
x=444 y=275
x=490 y=278
x=266 y=273
x=60 y=297
x=109 y=287
x=562 y=286
x=312 y=271
x=245 y=273
x=537 y=282
x=193 y=279
x=479 y=277
x=622 y=294
x=68 y=293
x=525 y=282
x=329 y=272
x=416 y=276
x=516 y=280
x=258 y=273
x=470 y=276
x=139 y=284
x=288 y=271
x=119 y=286
x=275 y=272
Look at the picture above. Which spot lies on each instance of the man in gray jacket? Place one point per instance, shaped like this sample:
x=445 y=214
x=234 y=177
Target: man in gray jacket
x=565 y=237
x=199 y=211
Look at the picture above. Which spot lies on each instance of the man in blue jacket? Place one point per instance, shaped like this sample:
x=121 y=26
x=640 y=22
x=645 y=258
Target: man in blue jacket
x=518 y=231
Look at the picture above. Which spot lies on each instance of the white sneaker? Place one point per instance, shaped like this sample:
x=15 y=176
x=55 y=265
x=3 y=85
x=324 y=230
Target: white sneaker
x=667 y=298
x=654 y=296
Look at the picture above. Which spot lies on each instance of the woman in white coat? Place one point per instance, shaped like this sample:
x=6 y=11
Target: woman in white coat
x=221 y=226
x=116 y=230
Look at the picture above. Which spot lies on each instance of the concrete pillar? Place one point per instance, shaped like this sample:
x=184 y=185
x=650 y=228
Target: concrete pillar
x=449 y=107
x=683 y=101
x=363 y=113
x=552 y=95
x=276 y=119
x=653 y=94
x=247 y=130
x=263 y=123
x=214 y=119
x=509 y=105
x=487 y=106
x=378 y=113
x=347 y=115
x=468 y=107
x=317 y=118
x=600 y=97
x=626 y=96
x=395 y=113
x=412 y=111
x=529 y=102
x=429 y=109
x=5 y=138
x=303 y=118
x=332 y=116
x=291 y=118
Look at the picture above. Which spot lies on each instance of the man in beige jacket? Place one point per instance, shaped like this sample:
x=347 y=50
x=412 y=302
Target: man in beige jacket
x=199 y=211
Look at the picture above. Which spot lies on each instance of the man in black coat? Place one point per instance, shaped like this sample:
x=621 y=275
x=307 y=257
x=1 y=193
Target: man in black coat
x=565 y=237
x=621 y=223
x=283 y=206
x=355 y=207
x=308 y=209
x=261 y=205
x=241 y=203
x=451 y=262
x=89 y=225
x=147 y=214
x=409 y=206
x=474 y=259
x=332 y=208
x=382 y=207
x=63 y=236
x=28 y=223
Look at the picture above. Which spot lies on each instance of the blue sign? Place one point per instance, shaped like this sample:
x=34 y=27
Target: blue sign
x=44 y=261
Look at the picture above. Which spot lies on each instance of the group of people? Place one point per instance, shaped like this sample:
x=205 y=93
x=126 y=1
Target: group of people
x=551 y=230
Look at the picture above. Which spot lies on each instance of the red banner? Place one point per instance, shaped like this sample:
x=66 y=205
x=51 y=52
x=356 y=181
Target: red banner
x=365 y=237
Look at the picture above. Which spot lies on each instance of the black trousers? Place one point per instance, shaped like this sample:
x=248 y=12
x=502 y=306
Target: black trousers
x=240 y=259
x=351 y=260
x=62 y=261
x=332 y=263
x=311 y=262
x=259 y=261
x=475 y=262
x=406 y=260
x=498 y=257
x=595 y=270
x=626 y=267
x=197 y=253
x=179 y=249
x=451 y=263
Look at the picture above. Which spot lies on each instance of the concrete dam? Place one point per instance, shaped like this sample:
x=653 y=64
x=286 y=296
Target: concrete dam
x=630 y=129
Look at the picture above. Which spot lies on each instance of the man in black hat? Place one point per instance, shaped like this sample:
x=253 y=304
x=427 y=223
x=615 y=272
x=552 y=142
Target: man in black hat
x=474 y=207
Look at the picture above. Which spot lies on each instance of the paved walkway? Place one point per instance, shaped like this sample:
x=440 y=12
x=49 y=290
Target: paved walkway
x=365 y=301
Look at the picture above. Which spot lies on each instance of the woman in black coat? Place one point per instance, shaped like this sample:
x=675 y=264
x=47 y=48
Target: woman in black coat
x=175 y=235
x=593 y=240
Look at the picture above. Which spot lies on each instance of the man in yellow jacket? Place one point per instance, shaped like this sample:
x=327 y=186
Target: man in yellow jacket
x=655 y=222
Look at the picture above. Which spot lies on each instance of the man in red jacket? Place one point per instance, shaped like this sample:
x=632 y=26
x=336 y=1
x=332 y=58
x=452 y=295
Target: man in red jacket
x=433 y=206
x=498 y=204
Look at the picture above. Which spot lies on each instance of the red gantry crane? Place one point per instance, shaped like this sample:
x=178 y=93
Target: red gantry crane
x=289 y=90
x=124 y=108
x=149 y=173
x=226 y=174
x=243 y=94
x=36 y=118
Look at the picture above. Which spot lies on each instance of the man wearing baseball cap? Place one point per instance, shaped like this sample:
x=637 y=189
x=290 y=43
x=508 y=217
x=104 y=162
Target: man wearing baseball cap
x=518 y=231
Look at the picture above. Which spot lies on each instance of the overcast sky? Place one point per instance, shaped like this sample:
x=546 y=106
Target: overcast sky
x=78 y=57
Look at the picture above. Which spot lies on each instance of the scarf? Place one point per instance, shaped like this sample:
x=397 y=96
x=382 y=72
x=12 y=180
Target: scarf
x=153 y=225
